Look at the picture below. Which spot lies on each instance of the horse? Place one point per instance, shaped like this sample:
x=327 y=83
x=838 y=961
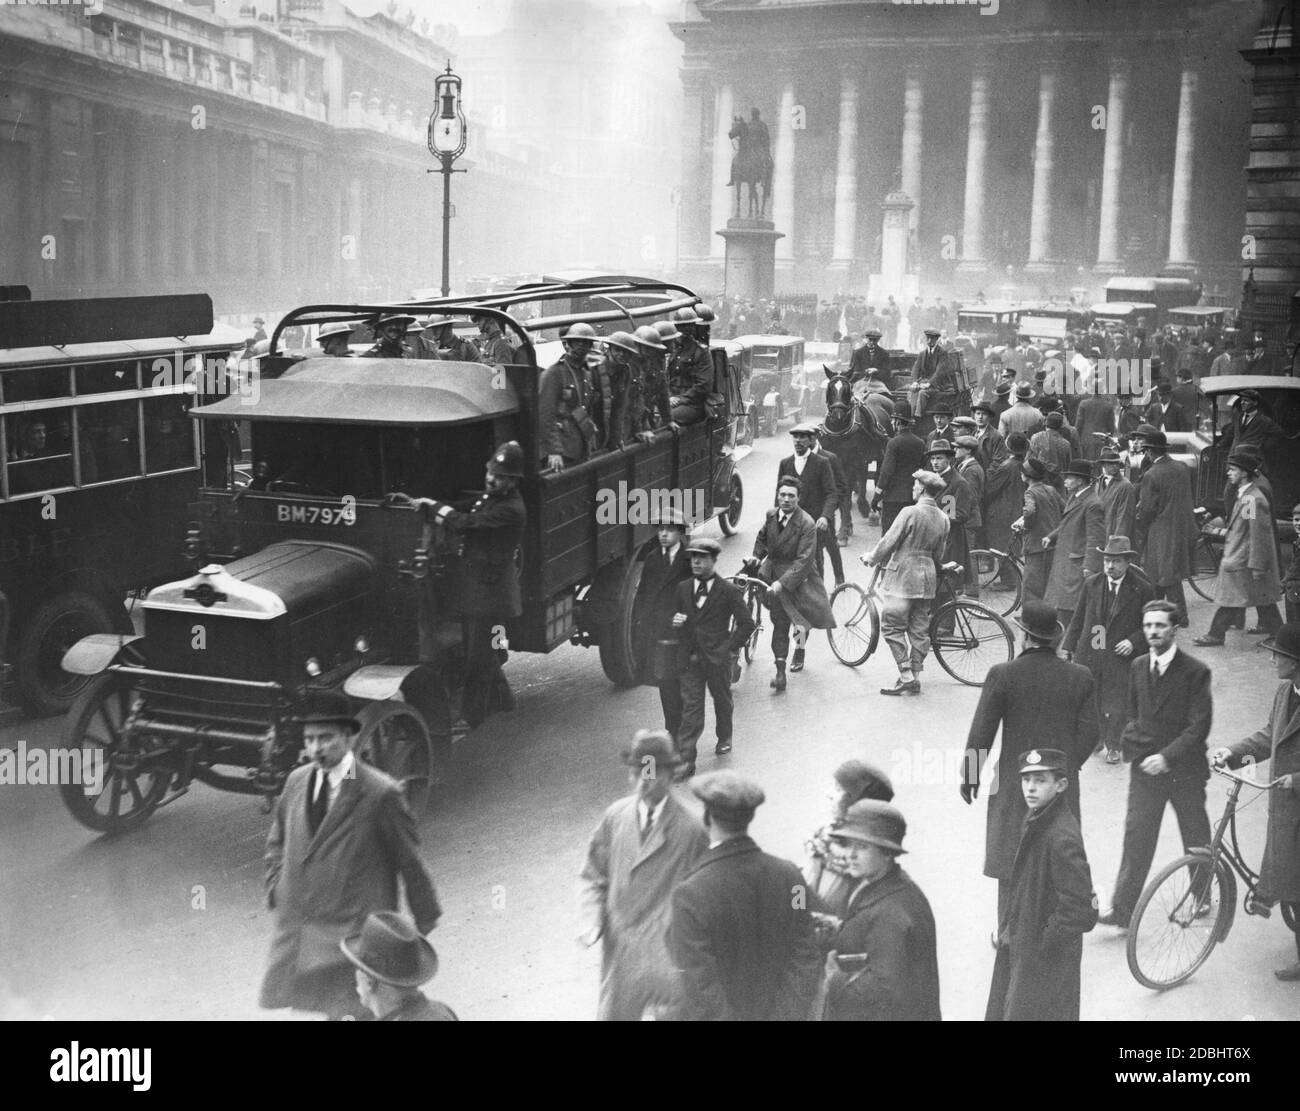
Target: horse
x=750 y=167
x=854 y=433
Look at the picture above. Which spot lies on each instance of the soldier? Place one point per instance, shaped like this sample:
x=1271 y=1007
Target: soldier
x=705 y=316
x=651 y=408
x=333 y=340
x=416 y=345
x=870 y=356
x=690 y=372
x=904 y=455
x=494 y=348
x=486 y=590
x=567 y=400
x=440 y=333
x=390 y=330
x=618 y=374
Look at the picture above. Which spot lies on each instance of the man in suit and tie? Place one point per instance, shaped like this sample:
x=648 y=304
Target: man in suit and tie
x=1118 y=496
x=1106 y=631
x=1168 y=719
x=705 y=608
x=1166 y=414
x=904 y=455
x=741 y=937
x=341 y=837
x=645 y=844
x=819 y=494
x=665 y=567
x=934 y=379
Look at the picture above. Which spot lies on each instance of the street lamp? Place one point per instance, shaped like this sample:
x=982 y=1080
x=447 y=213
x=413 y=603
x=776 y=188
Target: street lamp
x=447 y=143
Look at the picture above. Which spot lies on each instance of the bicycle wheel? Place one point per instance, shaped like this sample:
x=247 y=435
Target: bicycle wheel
x=857 y=625
x=1000 y=580
x=1204 y=578
x=754 y=603
x=1181 y=915
x=968 y=639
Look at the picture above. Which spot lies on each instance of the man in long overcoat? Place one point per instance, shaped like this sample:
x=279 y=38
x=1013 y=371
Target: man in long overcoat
x=785 y=556
x=645 y=844
x=741 y=936
x=1248 y=574
x=1004 y=495
x=1050 y=907
x=1106 y=633
x=1040 y=701
x=956 y=499
x=1096 y=413
x=904 y=454
x=1278 y=741
x=1039 y=517
x=1166 y=523
x=340 y=838
x=1118 y=495
x=819 y=493
x=662 y=570
x=1077 y=541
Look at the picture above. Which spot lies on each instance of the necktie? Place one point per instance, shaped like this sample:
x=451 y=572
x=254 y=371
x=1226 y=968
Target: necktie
x=1155 y=668
x=780 y=523
x=665 y=554
x=319 y=801
x=649 y=825
x=701 y=593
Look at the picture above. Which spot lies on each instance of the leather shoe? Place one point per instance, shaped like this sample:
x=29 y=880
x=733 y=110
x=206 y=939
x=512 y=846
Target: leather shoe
x=1289 y=975
x=1112 y=918
x=722 y=747
x=778 y=681
x=796 y=664
x=912 y=686
x=1208 y=642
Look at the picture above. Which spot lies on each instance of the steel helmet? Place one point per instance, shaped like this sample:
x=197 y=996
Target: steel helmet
x=705 y=313
x=684 y=316
x=647 y=336
x=438 y=321
x=508 y=460
x=623 y=340
x=340 y=329
x=667 y=330
x=580 y=330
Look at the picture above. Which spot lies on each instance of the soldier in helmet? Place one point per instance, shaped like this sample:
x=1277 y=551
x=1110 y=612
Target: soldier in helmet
x=690 y=371
x=652 y=408
x=568 y=401
x=441 y=335
x=494 y=348
x=618 y=374
x=705 y=316
x=390 y=331
x=333 y=340
x=417 y=346
x=487 y=575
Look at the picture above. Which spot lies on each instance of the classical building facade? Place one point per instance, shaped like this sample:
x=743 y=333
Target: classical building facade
x=269 y=158
x=1045 y=145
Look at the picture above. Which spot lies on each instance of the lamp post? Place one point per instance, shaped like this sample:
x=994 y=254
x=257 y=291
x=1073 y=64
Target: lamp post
x=447 y=143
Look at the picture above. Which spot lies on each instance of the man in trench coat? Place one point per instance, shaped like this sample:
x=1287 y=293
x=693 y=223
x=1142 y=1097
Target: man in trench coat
x=643 y=847
x=341 y=836
x=1040 y=701
x=1077 y=540
x=1279 y=743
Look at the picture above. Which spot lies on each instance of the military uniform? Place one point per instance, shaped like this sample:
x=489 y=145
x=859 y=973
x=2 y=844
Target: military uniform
x=567 y=398
x=651 y=406
x=386 y=347
x=690 y=377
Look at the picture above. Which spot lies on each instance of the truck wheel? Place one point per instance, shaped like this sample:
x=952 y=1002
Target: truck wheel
x=729 y=518
x=44 y=688
x=394 y=738
x=619 y=655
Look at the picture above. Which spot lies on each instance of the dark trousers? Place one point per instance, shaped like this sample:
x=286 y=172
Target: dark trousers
x=670 y=698
x=699 y=676
x=1147 y=795
x=780 y=631
x=1270 y=619
x=826 y=545
x=1175 y=594
x=1038 y=566
x=482 y=669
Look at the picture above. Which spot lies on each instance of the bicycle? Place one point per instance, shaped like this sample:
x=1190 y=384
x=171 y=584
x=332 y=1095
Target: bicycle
x=1188 y=908
x=1001 y=577
x=754 y=591
x=967 y=638
x=1204 y=578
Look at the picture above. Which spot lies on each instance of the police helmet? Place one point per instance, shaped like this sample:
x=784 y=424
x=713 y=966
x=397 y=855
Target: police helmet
x=507 y=461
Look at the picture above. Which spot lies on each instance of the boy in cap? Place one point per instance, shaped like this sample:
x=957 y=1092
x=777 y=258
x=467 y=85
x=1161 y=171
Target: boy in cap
x=392 y=960
x=884 y=966
x=1050 y=907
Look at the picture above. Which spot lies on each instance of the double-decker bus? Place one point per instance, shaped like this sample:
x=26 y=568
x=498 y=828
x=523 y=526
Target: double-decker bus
x=99 y=462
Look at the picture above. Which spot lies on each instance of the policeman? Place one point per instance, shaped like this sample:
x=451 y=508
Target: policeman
x=487 y=575
x=568 y=402
x=446 y=344
x=655 y=407
x=333 y=339
x=389 y=332
x=690 y=372
x=619 y=374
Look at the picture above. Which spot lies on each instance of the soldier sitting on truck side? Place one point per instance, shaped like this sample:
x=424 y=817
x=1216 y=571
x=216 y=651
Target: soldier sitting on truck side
x=652 y=407
x=569 y=402
x=690 y=371
x=494 y=348
x=390 y=330
x=618 y=373
x=441 y=335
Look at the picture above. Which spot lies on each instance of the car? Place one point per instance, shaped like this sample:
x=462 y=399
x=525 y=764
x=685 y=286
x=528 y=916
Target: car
x=1280 y=401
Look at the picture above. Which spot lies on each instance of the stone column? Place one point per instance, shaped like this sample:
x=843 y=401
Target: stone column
x=1180 y=203
x=1040 y=218
x=913 y=108
x=783 y=178
x=722 y=194
x=977 y=145
x=844 y=246
x=692 y=239
x=1109 y=255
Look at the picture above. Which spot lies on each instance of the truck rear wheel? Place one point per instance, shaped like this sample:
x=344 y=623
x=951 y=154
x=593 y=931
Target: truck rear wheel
x=44 y=688
x=394 y=738
x=619 y=654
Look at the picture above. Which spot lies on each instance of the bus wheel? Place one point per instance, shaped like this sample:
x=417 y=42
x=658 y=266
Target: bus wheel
x=619 y=655
x=44 y=688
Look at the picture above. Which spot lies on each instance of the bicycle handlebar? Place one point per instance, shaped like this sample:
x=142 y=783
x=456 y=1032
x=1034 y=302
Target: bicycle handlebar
x=1227 y=774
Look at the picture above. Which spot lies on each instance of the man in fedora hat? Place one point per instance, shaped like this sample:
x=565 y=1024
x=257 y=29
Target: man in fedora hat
x=390 y=331
x=340 y=838
x=1050 y=905
x=884 y=966
x=1166 y=528
x=1166 y=414
x=713 y=623
x=1077 y=541
x=741 y=936
x=645 y=845
x=1168 y=717
x=819 y=495
x=1040 y=515
x=1248 y=571
x=1106 y=632
x=392 y=960
x=665 y=567
x=904 y=455
x=1278 y=742
x=1039 y=701
x=1252 y=426
x=1051 y=445
x=910 y=552
x=1117 y=494
x=1022 y=417
x=1002 y=401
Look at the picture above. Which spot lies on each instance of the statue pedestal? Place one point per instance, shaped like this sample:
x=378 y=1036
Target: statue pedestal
x=750 y=269
x=896 y=278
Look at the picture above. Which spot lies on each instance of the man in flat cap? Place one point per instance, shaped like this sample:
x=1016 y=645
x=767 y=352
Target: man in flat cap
x=741 y=934
x=819 y=494
x=1051 y=904
x=645 y=845
x=934 y=377
x=341 y=837
x=392 y=960
x=870 y=356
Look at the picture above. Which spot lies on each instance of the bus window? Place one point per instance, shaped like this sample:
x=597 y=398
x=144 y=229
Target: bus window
x=35 y=462
x=107 y=377
x=168 y=434
x=111 y=434
x=31 y=385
